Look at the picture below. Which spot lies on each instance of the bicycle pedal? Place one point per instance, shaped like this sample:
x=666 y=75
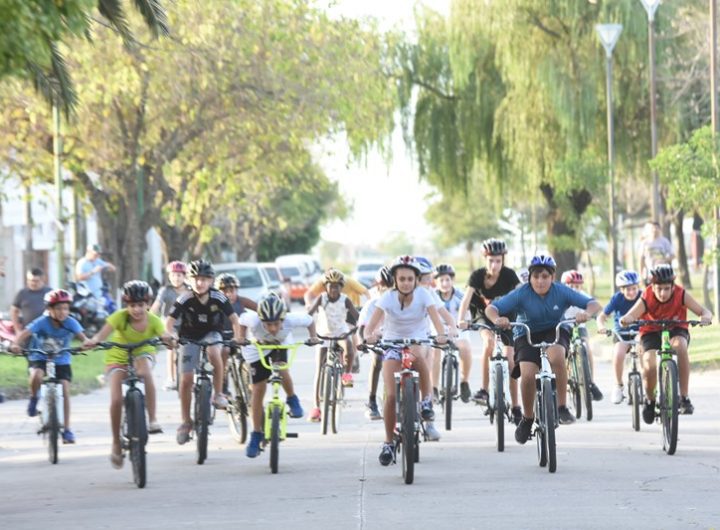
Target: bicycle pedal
x=291 y=435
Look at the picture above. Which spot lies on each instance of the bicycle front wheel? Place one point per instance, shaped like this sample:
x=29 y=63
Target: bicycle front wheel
x=408 y=410
x=585 y=384
x=448 y=381
x=635 y=396
x=549 y=425
x=202 y=417
x=237 y=410
x=327 y=385
x=52 y=425
x=541 y=421
x=574 y=384
x=274 y=439
x=137 y=435
x=337 y=400
x=669 y=405
x=499 y=407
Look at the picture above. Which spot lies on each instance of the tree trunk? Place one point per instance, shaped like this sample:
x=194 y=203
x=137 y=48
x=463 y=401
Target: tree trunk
x=683 y=270
x=469 y=247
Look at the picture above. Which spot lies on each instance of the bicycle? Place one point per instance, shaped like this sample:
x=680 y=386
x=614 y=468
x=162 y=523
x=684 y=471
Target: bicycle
x=546 y=417
x=450 y=375
x=203 y=411
x=579 y=375
x=51 y=402
x=134 y=428
x=332 y=391
x=635 y=387
x=237 y=373
x=499 y=404
x=667 y=389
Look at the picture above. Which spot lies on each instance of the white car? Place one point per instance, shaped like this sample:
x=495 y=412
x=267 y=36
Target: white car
x=365 y=272
x=278 y=283
x=309 y=266
x=254 y=281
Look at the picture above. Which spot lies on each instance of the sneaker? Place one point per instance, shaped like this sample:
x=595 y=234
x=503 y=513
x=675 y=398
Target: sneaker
x=618 y=394
x=431 y=433
x=516 y=415
x=595 y=391
x=481 y=396
x=373 y=412
x=183 y=433
x=154 y=428
x=32 y=406
x=347 y=380
x=523 y=430
x=315 y=415
x=426 y=410
x=253 y=447
x=296 y=410
x=465 y=391
x=565 y=416
x=648 y=412
x=686 y=407
x=68 y=437
x=116 y=459
x=220 y=401
x=170 y=385
x=387 y=454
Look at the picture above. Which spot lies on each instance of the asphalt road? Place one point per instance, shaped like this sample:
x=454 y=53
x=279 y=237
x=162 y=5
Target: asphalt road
x=608 y=476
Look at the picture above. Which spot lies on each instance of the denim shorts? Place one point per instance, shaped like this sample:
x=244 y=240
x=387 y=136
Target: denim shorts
x=191 y=352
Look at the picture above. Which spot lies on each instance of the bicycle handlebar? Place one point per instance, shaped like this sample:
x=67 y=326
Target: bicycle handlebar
x=619 y=335
x=667 y=323
x=339 y=337
x=28 y=351
x=129 y=346
x=543 y=344
x=207 y=344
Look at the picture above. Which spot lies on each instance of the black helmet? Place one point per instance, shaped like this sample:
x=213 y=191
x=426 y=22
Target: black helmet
x=494 y=247
x=201 y=267
x=444 y=268
x=383 y=277
x=271 y=309
x=662 y=274
x=136 y=291
x=226 y=281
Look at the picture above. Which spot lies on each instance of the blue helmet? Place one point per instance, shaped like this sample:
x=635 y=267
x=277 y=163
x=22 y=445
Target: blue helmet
x=425 y=265
x=542 y=261
x=626 y=278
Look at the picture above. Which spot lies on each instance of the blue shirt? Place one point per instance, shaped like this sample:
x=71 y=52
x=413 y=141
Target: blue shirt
x=540 y=313
x=453 y=304
x=45 y=336
x=620 y=305
x=94 y=282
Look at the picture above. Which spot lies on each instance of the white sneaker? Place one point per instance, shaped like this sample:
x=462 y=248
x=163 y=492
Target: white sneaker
x=431 y=432
x=617 y=394
x=220 y=401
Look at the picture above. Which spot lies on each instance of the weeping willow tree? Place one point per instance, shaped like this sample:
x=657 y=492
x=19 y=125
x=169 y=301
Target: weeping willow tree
x=510 y=95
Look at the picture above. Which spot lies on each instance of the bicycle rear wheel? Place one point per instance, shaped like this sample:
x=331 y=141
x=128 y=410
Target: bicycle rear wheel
x=237 y=410
x=635 y=396
x=202 y=417
x=669 y=405
x=52 y=426
x=137 y=435
x=499 y=407
x=448 y=381
x=274 y=439
x=585 y=383
x=328 y=383
x=549 y=425
x=574 y=384
x=408 y=410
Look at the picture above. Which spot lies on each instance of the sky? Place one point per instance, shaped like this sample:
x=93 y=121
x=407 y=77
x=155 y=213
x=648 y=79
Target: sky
x=373 y=187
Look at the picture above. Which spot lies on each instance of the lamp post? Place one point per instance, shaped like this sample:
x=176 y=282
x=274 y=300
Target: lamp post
x=609 y=35
x=651 y=6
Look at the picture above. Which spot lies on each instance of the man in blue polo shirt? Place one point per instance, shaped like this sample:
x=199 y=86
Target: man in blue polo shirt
x=89 y=270
x=540 y=304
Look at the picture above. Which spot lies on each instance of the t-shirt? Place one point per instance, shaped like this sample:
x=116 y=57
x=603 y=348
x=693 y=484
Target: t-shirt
x=30 y=303
x=656 y=252
x=352 y=288
x=124 y=333
x=238 y=309
x=166 y=297
x=620 y=305
x=199 y=319
x=540 y=313
x=673 y=309
x=94 y=282
x=46 y=336
x=366 y=312
x=408 y=322
x=453 y=303
x=332 y=316
x=258 y=333
x=481 y=298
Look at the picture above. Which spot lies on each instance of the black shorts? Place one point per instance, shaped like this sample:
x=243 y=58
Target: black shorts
x=62 y=371
x=259 y=373
x=526 y=353
x=506 y=335
x=653 y=340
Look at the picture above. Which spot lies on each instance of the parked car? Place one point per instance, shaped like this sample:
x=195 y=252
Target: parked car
x=297 y=285
x=254 y=281
x=309 y=267
x=278 y=284
x=365 y=272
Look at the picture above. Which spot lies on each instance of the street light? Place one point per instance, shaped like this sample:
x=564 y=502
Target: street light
x=651 y=6
x=609 y=35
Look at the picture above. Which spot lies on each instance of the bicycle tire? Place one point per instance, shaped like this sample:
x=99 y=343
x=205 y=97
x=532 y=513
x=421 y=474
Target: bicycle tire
x=586 y=381
x=327 y=392
x=574 y=384
x=202 y=418
x=408 y=407
x=549 y=426
x=449 y=379
x=635 y=390
x=669 y=405
x=540 y=429
x=417 y=446
x=237 y=409
x=52 y=425
x=137 y=435
x=499 y=408
x=275 y=440
x=337 y=400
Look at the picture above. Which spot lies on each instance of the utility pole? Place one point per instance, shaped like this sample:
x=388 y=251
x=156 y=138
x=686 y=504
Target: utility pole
x=60 y=217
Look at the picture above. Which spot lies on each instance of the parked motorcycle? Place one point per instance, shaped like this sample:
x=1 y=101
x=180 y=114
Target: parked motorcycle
x=7 y=330
x=87 y=309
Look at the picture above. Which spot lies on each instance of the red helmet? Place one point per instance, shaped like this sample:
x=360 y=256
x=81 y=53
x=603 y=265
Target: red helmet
x=57 y=296
x=572 y=277
x=176 y=266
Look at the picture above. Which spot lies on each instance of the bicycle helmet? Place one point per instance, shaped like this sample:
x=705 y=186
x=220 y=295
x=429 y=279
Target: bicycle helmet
x=383 y=277
x=424 y=264
x=444 y=268
x=201 y=267
x=271 y=309
x=662 y=274
x=176 y=266
x=627 y=278
x=572 y=277
x=542 y=261
x=334 y=276
x=226 y=281
x=57 y=296
x=494 y=247
x=136 y=291
x=407 y=262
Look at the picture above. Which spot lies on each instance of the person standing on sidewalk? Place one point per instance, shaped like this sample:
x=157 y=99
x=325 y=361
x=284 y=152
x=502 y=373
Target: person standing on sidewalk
x=29 y=302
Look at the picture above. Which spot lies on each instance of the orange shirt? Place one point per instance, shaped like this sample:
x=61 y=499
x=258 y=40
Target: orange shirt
x=673 y=309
